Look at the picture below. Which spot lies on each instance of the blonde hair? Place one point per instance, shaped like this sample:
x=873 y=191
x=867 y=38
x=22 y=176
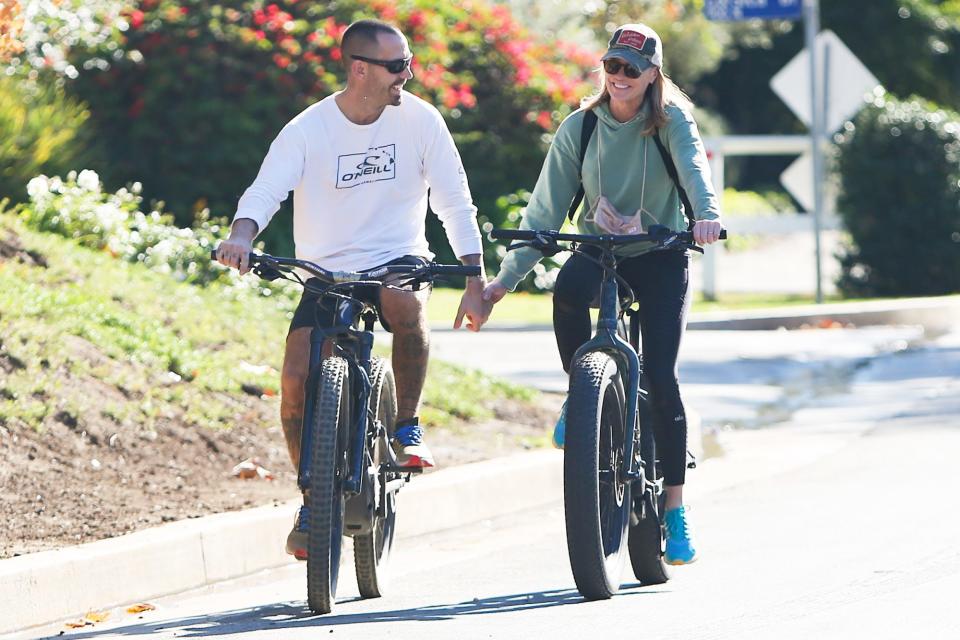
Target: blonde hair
x=661 y=93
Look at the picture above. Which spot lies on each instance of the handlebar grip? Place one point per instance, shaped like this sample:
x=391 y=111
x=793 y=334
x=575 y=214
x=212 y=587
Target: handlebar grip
x=253 y=259
x=723 y=234
x=456 y=270
x=511 y=234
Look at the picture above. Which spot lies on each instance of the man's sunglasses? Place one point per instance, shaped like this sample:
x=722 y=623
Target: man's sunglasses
x=393 y=66
x=613 y=66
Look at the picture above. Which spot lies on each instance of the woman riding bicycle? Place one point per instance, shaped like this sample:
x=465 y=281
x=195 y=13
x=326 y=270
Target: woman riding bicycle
x=627 y=187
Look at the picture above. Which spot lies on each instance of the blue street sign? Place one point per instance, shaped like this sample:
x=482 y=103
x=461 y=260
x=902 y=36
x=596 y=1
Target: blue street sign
x=753 y=9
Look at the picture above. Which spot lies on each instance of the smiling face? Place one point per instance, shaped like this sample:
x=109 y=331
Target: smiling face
x=626 y=90
x=380 y=85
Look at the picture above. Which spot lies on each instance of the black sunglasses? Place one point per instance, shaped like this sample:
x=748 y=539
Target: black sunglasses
x=393 y=66
x=613 y=66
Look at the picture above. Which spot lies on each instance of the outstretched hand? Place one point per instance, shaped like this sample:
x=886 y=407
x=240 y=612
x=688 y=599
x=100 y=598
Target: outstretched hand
x=473 y=307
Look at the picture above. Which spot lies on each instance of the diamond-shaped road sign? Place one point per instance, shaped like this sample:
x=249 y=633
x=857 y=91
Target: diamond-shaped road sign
x=798 y=180
x=847 y=81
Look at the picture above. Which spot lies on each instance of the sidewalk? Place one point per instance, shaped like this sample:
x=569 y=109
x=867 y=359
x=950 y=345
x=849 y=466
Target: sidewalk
x=45 y=587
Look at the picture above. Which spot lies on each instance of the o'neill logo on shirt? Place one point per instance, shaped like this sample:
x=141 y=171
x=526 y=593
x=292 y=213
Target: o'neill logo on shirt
x=378 y=163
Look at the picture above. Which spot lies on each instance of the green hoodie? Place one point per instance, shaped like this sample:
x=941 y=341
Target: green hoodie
x=622 y=170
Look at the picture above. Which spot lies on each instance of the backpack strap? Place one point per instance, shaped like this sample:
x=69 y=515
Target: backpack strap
x=672 y=170
x=586 y=132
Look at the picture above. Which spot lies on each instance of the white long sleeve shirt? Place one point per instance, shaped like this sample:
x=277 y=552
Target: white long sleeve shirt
x=360 y=191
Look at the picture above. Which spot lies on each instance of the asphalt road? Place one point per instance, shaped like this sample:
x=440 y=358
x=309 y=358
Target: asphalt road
x=839 y=523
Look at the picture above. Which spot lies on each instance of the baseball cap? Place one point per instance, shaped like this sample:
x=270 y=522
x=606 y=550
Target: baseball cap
x=638 y=44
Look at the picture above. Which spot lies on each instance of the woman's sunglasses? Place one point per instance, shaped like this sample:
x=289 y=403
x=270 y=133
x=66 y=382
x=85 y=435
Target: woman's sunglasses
x=613 y=66
x=393 y=66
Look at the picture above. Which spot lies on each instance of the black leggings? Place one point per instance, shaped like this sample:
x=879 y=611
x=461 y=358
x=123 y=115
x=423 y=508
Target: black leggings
x=660 y=281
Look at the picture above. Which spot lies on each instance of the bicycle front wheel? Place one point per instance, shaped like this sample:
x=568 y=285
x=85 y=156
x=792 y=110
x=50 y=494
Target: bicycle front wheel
x=330 y=424
x=596 y=502
x=372 y=551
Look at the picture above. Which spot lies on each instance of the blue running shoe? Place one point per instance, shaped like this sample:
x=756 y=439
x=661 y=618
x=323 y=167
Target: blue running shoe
x=408 y=445
x=680 y=549
x=560 y=431
x=297 y=539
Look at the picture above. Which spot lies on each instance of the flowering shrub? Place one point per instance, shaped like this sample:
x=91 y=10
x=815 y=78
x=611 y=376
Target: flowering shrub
x=78 y=208
x=42 y=33
x=195 y=91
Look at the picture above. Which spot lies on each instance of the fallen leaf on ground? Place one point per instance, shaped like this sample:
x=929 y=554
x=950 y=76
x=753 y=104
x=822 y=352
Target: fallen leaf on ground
x=89 y=619
x=251 y=468
x=96 y=616
x=78 y=625
x=140 y=608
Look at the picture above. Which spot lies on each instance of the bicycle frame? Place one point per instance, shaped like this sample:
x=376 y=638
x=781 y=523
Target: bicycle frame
x=357 y=346
x=607 y=340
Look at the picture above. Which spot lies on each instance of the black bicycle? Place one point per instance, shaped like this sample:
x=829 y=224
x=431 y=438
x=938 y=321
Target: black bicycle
x=348 y=473
x=612 y=482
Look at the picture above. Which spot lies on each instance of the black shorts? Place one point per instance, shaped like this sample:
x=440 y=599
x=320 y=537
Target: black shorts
x=313 y=310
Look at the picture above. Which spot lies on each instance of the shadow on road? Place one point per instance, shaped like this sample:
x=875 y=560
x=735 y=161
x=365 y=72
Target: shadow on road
x=292 y=615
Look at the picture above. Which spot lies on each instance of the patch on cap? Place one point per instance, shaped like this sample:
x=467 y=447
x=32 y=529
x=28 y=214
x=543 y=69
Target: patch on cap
x=630 y=39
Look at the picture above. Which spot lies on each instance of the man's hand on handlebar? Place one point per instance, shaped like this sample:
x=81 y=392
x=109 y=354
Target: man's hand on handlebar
x=235 y=250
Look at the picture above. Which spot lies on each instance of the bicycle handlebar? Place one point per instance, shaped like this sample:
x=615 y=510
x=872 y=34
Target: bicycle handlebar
x=371 y=275
x=658 y=236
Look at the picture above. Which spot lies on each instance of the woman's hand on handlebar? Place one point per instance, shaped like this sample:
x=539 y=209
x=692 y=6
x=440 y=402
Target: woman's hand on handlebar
x=235 y=250
x=707 y=231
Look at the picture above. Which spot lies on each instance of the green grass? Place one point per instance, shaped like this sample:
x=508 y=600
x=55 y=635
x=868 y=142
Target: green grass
x=93 y=335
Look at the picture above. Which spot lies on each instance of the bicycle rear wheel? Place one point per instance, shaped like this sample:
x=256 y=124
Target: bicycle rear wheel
x=646 y=542
x=331 y=424
x=596 y=502
x=372 y=551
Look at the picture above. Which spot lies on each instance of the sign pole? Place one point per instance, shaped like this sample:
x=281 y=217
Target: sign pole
x=811 y=14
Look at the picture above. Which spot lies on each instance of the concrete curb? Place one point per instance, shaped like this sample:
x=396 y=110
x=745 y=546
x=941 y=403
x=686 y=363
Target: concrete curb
x=49 y=586
x=935 y=314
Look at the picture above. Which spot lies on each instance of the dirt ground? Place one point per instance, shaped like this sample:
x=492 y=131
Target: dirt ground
x=75 y=484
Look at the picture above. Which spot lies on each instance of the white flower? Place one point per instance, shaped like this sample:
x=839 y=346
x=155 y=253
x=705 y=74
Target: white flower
x=38 y=187
x=89 y=180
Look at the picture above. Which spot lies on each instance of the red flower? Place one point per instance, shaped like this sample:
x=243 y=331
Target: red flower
x=281 y=61
x=545 y=120
x=417 y=19
x=450 y=98
x=184 y=10
x=136 y=19
x=260 y=34
x=136 y=108
x=335 y=53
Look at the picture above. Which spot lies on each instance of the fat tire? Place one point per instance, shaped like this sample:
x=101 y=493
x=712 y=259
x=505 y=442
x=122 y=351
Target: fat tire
x=595 y=410
x=331 y=420
x=647 y=536
x=646 y=550
x=372 y=551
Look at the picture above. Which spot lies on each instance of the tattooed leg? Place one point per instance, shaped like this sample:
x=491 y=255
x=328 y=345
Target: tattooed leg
x=296 y=361
x=405 y=311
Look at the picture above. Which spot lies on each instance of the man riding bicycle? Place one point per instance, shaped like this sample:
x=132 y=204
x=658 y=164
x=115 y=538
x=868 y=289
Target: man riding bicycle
x=360 y=163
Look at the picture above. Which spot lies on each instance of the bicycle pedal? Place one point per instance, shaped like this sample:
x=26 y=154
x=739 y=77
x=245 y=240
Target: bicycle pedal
x=391 y=468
